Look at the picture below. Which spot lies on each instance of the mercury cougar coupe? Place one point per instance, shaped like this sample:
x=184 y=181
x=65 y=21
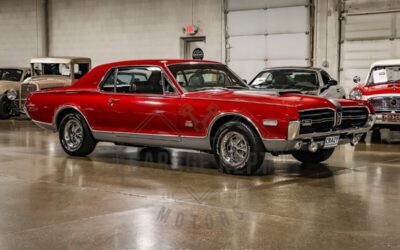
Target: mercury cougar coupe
x=199 y=105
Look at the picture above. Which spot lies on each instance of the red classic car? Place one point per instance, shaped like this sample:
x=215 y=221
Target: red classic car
x=198 y=105
x=382 y=89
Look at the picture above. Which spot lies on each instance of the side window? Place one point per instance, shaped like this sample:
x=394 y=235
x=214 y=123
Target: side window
x=80 y=70
x=262 y=79
x=27 y=74
x=325 y=77
x=143 y=80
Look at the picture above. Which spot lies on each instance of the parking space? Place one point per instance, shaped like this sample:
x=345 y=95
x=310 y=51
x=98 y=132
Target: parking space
x=141 y=198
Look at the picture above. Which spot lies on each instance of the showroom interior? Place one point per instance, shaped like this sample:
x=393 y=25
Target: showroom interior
x=171 y=186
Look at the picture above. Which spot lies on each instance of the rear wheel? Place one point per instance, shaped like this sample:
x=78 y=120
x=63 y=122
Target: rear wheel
x=75 y=136
x=5 y=108
x=310 y=157
x=238 y=149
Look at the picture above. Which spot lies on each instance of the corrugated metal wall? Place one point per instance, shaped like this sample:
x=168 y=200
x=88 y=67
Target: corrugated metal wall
x=267 y=33
x=370 y=32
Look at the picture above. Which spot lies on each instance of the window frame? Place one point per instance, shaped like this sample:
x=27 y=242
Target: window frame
x=115 y=71
x=322 y=76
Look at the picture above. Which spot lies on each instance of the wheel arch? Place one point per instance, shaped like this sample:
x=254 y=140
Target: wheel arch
x=63 y=111
x=227 y=117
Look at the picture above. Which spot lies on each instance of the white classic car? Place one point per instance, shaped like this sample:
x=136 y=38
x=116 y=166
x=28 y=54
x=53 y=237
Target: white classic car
x=308 y=80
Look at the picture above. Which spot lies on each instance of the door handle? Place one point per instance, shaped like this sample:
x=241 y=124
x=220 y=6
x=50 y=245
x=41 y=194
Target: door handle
x=112 y=100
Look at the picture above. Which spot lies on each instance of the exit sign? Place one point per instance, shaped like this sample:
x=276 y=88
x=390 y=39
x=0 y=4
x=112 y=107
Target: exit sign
x=191 y=30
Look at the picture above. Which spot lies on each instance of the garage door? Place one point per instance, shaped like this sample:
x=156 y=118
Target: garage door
x=267 y=33
x=370 y=32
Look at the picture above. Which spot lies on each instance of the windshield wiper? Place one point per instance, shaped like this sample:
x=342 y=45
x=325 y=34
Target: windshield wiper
x=235 y=87
x=220 y=88
x=207 y=88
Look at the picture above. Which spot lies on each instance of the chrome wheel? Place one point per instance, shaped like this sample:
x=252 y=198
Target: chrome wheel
x=234 y=150
x=73 y=135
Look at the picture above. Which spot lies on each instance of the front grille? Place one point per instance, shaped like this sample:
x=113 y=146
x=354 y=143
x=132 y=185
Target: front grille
x=387 y=103
x=354 y=117
x=25 y=90
x=320 y=120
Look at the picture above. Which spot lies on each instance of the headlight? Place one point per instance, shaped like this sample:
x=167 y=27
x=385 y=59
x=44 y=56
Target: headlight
x=11 y=95
x=356 y=94
x=293 y=130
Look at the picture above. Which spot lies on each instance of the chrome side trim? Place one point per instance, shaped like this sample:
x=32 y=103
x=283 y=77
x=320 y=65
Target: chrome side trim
x=216 y=118
x=44 y=125
x=61 y=108
x=197 y=143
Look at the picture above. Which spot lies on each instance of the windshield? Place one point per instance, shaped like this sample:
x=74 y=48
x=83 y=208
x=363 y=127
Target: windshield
x=304 y=80
x=384 y=74
x=199 y=76
x=11 y=75
x=60 y=69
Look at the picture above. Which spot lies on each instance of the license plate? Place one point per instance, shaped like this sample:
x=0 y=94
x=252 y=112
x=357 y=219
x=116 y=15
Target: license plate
x=391 y=118
x=331 y=142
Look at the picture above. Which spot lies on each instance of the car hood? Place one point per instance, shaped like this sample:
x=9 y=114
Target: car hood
x=380 y=89
x=50 y=81
x=6 y=85
x=272 y=97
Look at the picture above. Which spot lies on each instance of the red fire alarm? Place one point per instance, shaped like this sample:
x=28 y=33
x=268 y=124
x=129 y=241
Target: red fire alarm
x=191 y=30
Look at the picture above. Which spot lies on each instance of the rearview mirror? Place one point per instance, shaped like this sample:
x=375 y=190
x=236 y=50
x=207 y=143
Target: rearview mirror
x=332 y=82
x=244 y=80
x=356 y=79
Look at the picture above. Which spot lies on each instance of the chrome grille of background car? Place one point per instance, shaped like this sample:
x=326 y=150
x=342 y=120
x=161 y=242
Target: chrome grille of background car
x=386 y=104
x=320 y=120
x=354 y=117
x=26 y=89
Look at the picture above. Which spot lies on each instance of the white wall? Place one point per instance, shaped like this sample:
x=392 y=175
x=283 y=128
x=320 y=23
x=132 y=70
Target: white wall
x=131 y=29
x=20 y=34
x=326 y=36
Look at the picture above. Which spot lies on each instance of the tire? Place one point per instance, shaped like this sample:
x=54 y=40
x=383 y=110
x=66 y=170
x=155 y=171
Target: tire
x=75 y=136
x=249 y=153
x=376 y=136
x=5 y=108
x=314 y=158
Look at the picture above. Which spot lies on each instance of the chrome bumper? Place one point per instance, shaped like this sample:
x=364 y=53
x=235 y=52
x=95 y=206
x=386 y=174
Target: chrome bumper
x=346 y=135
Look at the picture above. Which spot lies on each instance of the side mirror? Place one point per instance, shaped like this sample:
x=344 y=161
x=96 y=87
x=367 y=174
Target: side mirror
x=332 y=82
x=356 y=79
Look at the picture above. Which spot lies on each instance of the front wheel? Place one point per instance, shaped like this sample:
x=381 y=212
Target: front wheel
x=238 y=149
x=75 y=136
x=310 y=157
x=5 y=108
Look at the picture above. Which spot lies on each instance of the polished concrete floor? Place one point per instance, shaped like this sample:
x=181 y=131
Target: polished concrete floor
x=130 y=198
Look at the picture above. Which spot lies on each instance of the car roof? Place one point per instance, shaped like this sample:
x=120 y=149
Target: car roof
x=156 y=62
x=61 y=59
x=293 y=67
x=386 y=62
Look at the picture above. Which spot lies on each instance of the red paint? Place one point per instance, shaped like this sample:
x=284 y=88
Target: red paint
x=379 y=89
x=169 y=114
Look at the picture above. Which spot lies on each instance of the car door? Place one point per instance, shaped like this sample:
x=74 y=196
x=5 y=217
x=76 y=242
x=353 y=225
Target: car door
x=143 y=106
